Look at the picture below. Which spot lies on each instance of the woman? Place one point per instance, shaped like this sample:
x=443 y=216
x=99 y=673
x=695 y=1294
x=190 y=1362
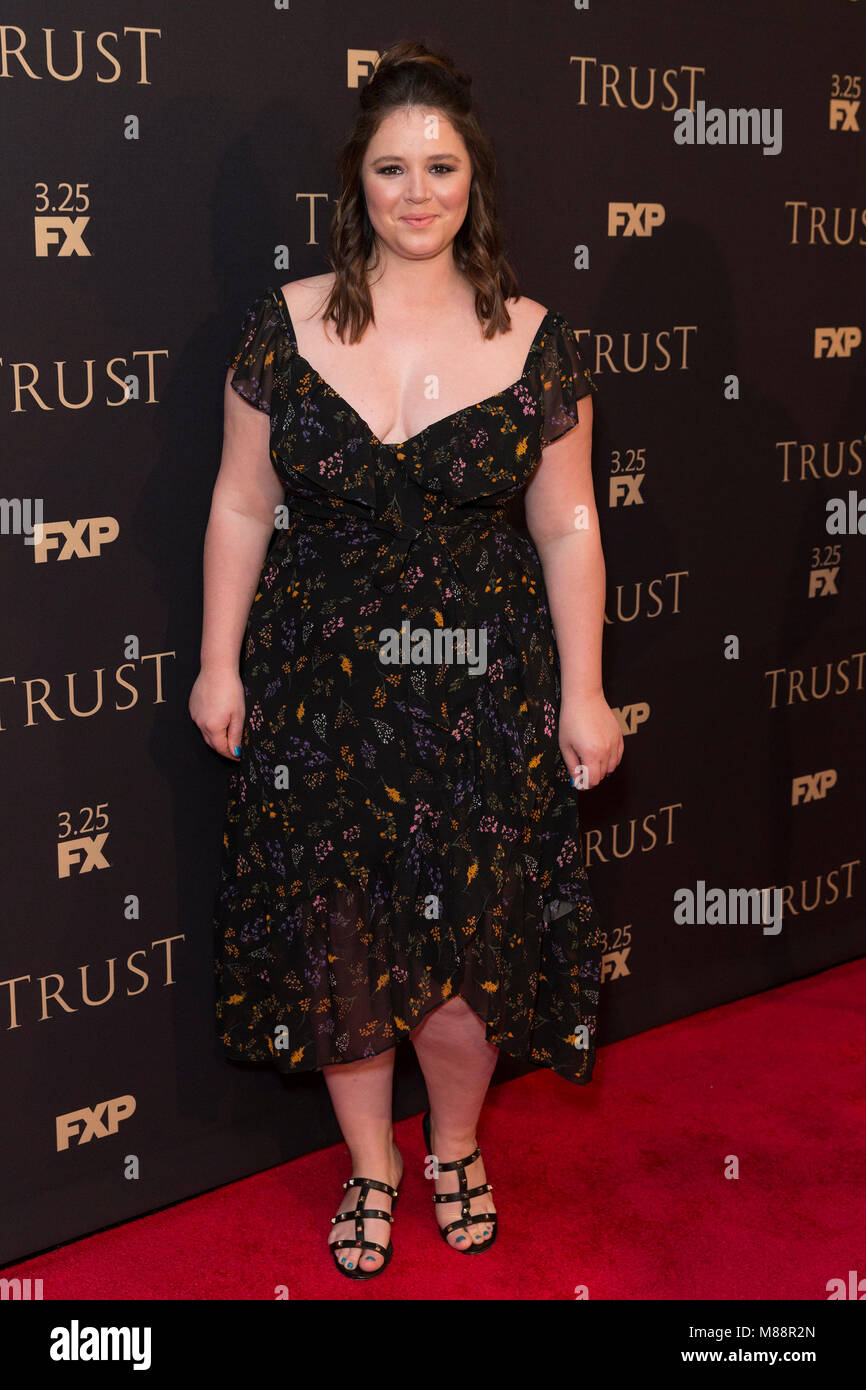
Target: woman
x=402 y=855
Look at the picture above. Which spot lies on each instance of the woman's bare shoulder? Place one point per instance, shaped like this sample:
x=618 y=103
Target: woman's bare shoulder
x=307 y=297
x=526 y=313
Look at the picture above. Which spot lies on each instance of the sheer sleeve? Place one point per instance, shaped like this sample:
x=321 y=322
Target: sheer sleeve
x=564 y=380
x=259 y=354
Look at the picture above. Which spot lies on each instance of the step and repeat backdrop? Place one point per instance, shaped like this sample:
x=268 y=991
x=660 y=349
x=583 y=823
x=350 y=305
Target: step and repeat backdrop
x=685 y=184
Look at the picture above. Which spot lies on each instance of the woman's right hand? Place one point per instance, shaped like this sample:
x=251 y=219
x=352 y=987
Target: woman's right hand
x=217 y=707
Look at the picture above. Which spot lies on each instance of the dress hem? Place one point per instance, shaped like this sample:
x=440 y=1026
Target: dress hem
x=234 y=1054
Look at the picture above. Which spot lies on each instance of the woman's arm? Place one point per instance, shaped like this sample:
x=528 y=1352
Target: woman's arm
x=563 y=522
x=239 y=529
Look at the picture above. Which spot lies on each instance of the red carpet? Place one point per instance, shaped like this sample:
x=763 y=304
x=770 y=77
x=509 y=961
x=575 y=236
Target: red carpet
x=619 y=1186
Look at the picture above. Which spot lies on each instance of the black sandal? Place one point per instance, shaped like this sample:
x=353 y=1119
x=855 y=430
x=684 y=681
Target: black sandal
x=359 y=1214
x=463 y=1195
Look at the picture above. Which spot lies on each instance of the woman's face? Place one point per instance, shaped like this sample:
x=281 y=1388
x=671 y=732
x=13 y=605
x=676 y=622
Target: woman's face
x=416 y=176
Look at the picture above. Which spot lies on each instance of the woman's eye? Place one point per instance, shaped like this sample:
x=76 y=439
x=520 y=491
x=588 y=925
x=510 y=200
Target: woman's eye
x=446 y=168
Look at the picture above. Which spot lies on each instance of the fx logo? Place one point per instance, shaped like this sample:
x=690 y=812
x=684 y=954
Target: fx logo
x=359 y=63
x=812 y=787
x=82 y=540
x=47 y=231
x=822 y=582
x=627 y=486
x=116 y=1110
x=613 y=964
x=69 y=852
x=836 y=342
x=629 y=717
x=843 y=114
x=640 y=219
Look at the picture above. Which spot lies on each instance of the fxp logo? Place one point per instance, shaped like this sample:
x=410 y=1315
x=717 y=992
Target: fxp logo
x=813 y=786
x=636 y=219
x=837 y=342
x=91 y=1124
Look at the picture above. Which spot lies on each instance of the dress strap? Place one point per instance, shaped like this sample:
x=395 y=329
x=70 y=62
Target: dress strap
x=285 y=316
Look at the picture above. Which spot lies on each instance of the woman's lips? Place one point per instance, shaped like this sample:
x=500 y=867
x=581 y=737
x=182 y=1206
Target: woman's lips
x=419 y=221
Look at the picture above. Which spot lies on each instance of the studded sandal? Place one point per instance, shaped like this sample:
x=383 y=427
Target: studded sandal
x=463 y=1195
x=359 y=1214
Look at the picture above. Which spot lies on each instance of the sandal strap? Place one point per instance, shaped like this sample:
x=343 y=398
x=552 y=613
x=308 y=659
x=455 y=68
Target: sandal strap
x=487 y=1218
x=462 y=1196
x=365 y=1213
x=372 y=1182
x=459 y=1163
x=364 y=1245
x=359 y=1213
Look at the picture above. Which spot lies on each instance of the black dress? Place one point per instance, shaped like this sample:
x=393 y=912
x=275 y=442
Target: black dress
x=401 y=831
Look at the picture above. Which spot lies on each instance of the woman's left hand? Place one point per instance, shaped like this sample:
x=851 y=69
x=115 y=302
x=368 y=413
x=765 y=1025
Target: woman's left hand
x=589 y=738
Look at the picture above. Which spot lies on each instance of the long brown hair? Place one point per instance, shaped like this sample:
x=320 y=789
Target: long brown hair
x=412 y=74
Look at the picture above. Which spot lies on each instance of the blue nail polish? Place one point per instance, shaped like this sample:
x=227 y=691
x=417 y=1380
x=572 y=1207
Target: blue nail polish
x=237 y=752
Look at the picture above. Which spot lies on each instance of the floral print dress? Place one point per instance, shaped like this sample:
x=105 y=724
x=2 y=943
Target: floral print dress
x=399 y=832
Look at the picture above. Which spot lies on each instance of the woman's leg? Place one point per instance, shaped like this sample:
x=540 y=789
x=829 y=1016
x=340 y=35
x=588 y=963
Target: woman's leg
x=361 y=1096
x=457 y=1062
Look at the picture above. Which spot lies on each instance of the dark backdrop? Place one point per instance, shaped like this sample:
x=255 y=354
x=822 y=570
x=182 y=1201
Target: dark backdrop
x=149 y=193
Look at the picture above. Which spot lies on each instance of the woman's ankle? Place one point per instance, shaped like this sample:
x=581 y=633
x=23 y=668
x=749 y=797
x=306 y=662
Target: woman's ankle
x=379 y=1160
x=448 y=1146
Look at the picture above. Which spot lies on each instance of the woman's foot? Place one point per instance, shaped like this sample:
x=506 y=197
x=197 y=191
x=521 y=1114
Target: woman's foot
x=446 y=1149
x=389 y=1169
